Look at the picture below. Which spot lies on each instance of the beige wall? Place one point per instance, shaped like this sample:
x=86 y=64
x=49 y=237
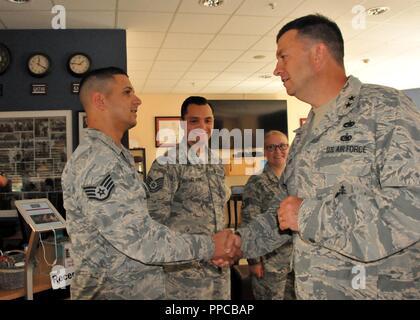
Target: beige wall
x=143 y=135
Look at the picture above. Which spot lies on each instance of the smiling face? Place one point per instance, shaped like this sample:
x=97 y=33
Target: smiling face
x=276 y=158
x=122 y=103
x=200 y=119
x=294 y=64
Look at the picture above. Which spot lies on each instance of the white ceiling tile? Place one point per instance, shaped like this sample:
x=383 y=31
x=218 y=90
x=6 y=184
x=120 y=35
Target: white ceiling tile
x=137 y=84
x=160 y=90
x=209 y=66
x=223 y=83
x=242 y=90
x=200 y=75
x=192 y=6
x=214 y=90
x=266 y=44
x=220 y=55
x=331 y=9
x=193 y=83
x=144 y=39
x=141 y=53
x=249 y=56
x=198 y=23
x=186 y=90
x=233 y=42
x=38 y=5
x=249 y=25
x=178 y=54
x=269 y=68
x=96 y=5
x=231 y=76
x=161 y=82
x=263 y=8
x=136 y=65
x=171 y=65
x=148 y=5
x=26 y=19
x=187 y=41
x=144 y=21
x=246 y=67
x=165 y=75
x=90 y=19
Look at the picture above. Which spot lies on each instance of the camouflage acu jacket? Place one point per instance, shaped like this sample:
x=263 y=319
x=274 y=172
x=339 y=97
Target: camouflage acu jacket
x=257 y=196
x=187 y=197
x=116 y=245
x=359 y=176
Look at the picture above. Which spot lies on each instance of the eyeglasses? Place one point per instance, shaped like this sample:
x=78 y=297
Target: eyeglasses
x=273 y=147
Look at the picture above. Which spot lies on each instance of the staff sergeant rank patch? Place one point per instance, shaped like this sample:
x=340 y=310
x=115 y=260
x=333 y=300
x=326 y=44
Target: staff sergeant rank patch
x=102 y=191
x=154 y=185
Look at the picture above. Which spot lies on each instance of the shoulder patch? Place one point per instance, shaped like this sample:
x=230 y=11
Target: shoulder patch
x=102 y=191
x=154 y=185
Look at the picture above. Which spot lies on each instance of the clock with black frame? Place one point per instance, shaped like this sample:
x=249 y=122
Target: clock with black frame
x=79 y=64
x=39 y=65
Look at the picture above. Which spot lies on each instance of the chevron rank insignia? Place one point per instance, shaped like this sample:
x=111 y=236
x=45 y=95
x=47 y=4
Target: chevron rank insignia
x=102 y=191
x=154 y=185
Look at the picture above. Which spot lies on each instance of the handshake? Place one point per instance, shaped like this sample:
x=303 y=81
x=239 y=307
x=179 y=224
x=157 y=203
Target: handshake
x=227 y=248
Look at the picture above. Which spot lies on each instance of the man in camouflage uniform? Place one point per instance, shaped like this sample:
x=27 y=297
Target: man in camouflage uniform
x=272 y=278
x=352 y=179
x=188 y=195
x=115 y=244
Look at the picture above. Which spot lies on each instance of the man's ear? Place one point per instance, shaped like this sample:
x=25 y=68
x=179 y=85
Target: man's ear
x=98 y=100
x=318 y=55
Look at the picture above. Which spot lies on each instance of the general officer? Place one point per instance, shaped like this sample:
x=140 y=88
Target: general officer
x=272 y=277
x=351 y=186
x=188 y=194
x=116 y=246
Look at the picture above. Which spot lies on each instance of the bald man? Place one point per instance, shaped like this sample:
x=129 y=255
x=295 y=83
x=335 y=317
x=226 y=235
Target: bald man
x=116 y=246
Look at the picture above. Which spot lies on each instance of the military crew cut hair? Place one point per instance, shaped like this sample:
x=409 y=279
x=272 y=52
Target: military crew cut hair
x=201 y=101
x=102 y=74
x=318 y=27
x=97 y=79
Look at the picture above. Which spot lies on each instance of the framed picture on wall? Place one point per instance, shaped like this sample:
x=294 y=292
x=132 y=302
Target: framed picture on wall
x=35 y=146
x=168 y=131
x=82 y=125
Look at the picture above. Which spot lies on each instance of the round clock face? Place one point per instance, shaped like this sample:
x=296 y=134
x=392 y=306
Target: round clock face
x=79 y=64
x=4 y=58
x=39 y=64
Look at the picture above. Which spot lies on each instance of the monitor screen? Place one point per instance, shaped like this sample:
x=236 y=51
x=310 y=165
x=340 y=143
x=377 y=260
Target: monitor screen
x=252 y=115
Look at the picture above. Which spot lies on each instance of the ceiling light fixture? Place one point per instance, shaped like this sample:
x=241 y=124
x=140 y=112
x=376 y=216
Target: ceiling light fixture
x=19 y=1
x=376 y=11
x=211 y=3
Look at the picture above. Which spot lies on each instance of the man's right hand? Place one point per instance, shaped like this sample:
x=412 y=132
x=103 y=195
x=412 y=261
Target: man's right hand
x=227 y=248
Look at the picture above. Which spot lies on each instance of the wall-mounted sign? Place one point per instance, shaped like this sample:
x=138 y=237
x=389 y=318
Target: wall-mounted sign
x=39 y=89
x=75 y=86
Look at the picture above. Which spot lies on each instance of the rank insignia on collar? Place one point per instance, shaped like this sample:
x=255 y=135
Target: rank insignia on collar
x=154 y=185
x=102 y=191
x=349 y=124
x=346 y=137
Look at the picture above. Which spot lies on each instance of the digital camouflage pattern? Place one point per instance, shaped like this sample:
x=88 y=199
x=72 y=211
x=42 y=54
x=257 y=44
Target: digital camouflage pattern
x=190 y=198
x=116 y=246
x=359 y=176
x=258 y=193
